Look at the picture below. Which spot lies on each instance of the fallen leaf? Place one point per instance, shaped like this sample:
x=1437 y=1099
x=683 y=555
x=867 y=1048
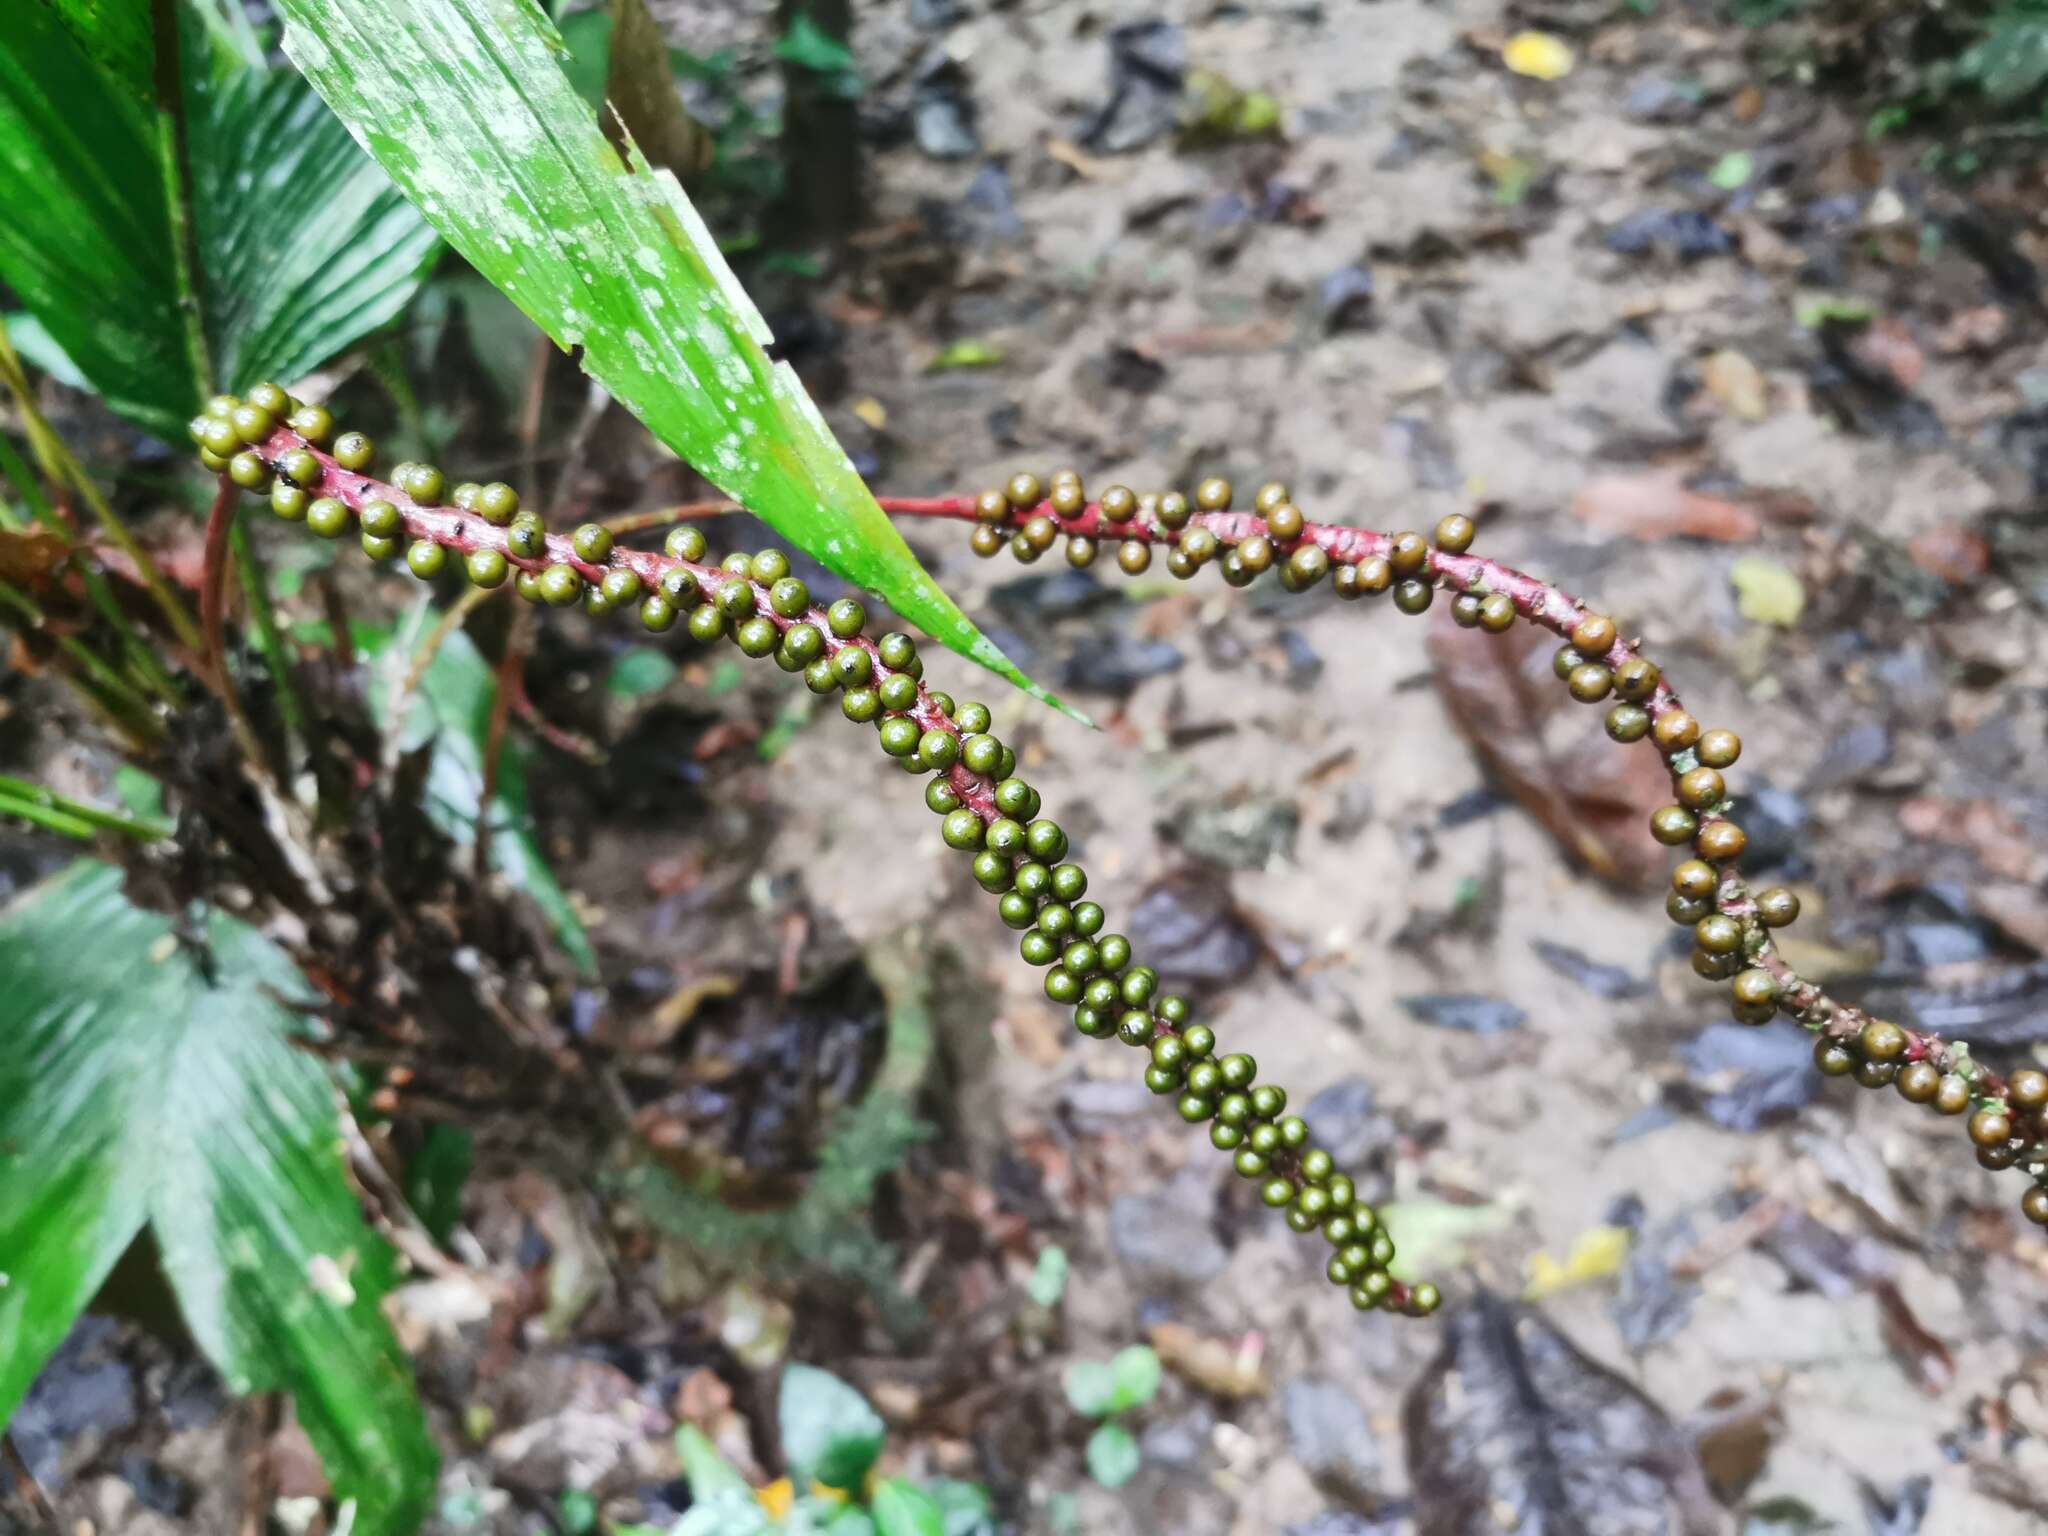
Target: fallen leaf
x=1922 y=1356
x=1511 y=1427
x=1431 y=1236
x=1748 y=104
x=1817 y=309
x=1982 y=329
x=28 y=556
x=871 y=412
x=1552 y=757
x=1886 y=346
x=1959 y=556
x=1595 y=1255
x=1217 y=1366
x=1738 y=384
x=1767 y=592
x=968 y=353
x=1538 y=55
x=1655 y=504
x=1733 y=170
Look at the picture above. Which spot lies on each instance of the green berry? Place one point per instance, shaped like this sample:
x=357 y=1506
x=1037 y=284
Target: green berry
x=1414 y=596
x=804 y=644
x=249 y=472
x=1016 y=909
x=315 y=423
x=1269 y=1100
x=620 y=585
x=354 y=451
x=380 y=518
x=1139 y=985
x=326 y=517
x=899 y=654
x=1037 y=948
x=846 y=617
x=1194 y=1108
x=289 y=502
x=1046 y=841
x=961 y=829
x=707 y=624
x=274 y=398
x=1223 y=1137
x=1161 y=1081
x=684 y=543
x=992 y=872
x=219 y=436
x=1200 y=1038
x=1056 y=919
x=487 y=568
x=940 y=797
x=252 y=424
x=1063 y=988
x=1034 y=879
x=592 y=543
x=426 y=559
x=789 y=597
x=527 y=537
x=735 y=597
x=379 y=547
x=1238 y=1069
x=561 y=586
x=859 y=705
x=853 y=667
x=1134 y=1027
x=898 y=691
x=1006 y=836
x=939 y=748
x=1016 y=798
x=758 y=636
x=1080 y=958
x=423 y=483
x=497 y=503
x=1088 y=918
x=770 y=566
x=1069 y=882
x=658 y=615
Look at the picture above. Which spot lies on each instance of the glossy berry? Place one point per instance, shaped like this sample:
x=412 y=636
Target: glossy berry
x=1408 y=553
x=561 y=586
x=422 y=482
x=354 y=451
x=1720 y=840
x=1676 y=730
x=327 y=517
x=486 y=568
x=1990 y=1128
x=1777 y=907
x=1636 y=679
x=1719 y=749
x=1594 y=635
x=1413 y=597
x=289 y=502
x=426 y=559
x=1673 y=825
x=1455 y=533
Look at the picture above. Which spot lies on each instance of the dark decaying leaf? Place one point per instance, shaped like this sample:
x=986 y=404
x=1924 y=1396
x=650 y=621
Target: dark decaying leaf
x=147 y=1087
x=1190 y=926
x=1559 y=766
x=1470 y=1012
x=1600 y=979
x=1746 y=1078
x=1511 y=1428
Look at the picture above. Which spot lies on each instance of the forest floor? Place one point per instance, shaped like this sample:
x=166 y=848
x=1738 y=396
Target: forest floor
x=1774 y=396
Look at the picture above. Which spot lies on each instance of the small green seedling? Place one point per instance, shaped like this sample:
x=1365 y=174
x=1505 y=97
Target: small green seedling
x=1106 y=1390
x=833 y=1439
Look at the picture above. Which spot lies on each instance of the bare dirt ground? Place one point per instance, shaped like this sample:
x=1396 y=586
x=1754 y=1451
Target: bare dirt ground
x=1688 y=396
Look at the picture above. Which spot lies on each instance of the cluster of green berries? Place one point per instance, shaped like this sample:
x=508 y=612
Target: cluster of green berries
x=1282 y=542
x=987 y=811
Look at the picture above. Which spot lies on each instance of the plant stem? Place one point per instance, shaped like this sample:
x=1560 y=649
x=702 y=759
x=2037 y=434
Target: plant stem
x=106 y=689
x=62 y=468
x=174 y=168
x=22 y=792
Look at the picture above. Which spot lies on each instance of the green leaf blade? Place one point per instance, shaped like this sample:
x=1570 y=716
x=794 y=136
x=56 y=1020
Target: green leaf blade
x=829 y=1433
x=138 y=1089
x=465 y=104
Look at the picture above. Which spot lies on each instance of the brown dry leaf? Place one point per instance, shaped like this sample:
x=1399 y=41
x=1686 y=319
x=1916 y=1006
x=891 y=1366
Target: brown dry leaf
x=1738 y=384
x=1748 y=104
x=1886 y=346
x=1957 y=555
x=27 y=557
x=1593 y=797
x=1922 y=1356
x=1764 y=248
x=1655 y=504
x=1215 y=1365
x=1982 y=329
x=678 y=1008
x=1080 y=162
x=2020 y=910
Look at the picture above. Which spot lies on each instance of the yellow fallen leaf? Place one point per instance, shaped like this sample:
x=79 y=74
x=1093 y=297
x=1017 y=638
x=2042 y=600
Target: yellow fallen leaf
x=778 y=1498
x=1538 y=55
x=1595 y=1255
x=871 y=411
x=1738 y=384
x=1767 y=592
